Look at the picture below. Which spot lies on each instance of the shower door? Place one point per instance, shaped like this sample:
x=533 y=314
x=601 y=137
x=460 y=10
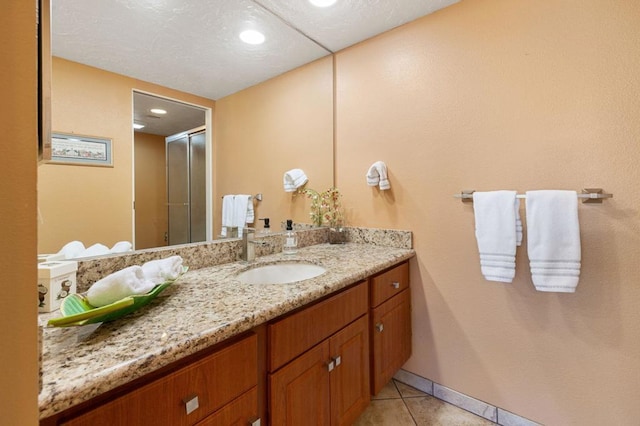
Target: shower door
x=186 y=187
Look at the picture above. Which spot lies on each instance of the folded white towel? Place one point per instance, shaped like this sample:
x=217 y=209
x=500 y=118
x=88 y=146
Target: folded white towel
x=121 y=247
x=377 y=175
x=161 y=270
x=121 y=284
x=94 y=250
x=227 y=213
x=294 y=179
x=242 y=204
x=72 y=249
x=495 y=218
x=518 y=224
x=553 y=240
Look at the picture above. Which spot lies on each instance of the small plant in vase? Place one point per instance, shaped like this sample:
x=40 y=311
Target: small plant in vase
x=326 y=209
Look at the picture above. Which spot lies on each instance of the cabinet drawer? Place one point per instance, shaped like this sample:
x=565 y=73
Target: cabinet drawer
x=215 y=380
x=242 y=411
x=291 y=336
x=389 y=283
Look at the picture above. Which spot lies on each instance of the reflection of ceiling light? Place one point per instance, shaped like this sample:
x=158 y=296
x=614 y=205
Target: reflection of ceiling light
x=158 y=111
x=322 y=3
x=138 y=126
x=252 y=37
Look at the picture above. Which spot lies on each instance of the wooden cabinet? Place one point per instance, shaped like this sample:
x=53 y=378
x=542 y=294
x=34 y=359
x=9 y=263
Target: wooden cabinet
x=320 y=366
x=222 y=381
x=390 y=324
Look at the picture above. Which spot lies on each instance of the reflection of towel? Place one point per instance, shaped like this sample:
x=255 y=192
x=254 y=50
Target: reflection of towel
x=377 y=175
x=518 y=224
x=95 y=250
x=121 y=247
x=227 y=213
x=242 y=211
x=294 y=179
x=495 y=217
x=161 y=270
x=553 y=240
x=72 y=249
x=126 y=282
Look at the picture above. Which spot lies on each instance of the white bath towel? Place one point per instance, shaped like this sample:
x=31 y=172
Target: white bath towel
x=94 y=250
x=553 y=240
x=294 y=179
x=227 y=213
x=72 y=249
x=116 y=286
x=121 y=247
x=161 y=270
x=518 y=224
x=495 y=218
x=377 y=175
x=242 y=211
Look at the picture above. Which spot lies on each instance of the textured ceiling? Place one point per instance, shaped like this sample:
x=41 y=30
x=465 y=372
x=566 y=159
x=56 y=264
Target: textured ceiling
x=193 y=45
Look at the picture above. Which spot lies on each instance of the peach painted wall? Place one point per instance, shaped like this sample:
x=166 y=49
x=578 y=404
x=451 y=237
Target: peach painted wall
x=497 y=94
x=150 y=190
x=265 y=130
x=18 y=150
x=92 y=204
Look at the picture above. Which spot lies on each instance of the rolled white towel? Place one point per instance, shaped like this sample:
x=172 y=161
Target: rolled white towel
x=377 y=175
x=161 y=270
x=95 y=250
x=72 y=249
x=126 y=282
x=294 y=179
x=121 y=247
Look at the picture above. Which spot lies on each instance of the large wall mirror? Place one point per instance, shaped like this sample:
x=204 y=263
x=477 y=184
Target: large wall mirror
x=256 y=130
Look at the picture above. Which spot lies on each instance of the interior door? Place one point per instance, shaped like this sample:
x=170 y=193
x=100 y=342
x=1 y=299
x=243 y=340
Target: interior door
x=178 y=189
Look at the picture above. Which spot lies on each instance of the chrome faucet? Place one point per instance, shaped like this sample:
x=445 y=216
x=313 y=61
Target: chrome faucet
x=248 y=250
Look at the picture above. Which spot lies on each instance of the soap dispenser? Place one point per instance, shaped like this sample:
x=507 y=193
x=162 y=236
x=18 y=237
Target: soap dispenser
x=267 y=226
x=290 y=245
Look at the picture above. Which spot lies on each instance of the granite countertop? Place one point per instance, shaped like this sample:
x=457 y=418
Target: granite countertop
x=203 y=307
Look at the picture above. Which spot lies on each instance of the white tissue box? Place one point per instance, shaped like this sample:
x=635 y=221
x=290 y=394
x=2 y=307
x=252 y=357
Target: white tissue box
x=56 y=280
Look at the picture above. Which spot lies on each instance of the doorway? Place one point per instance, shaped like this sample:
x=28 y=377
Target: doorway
x=151 y=202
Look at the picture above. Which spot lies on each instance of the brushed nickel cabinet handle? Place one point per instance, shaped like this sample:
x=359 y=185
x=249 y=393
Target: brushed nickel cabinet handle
x=395 y=284
x=254 y=422
x=379 y=327
x=337 y=360
x=331 y=365
x=191 y=404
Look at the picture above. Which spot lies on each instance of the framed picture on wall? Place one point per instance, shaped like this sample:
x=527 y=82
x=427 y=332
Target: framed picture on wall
x=80 y=150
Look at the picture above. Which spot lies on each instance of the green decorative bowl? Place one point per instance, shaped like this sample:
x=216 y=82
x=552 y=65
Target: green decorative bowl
x=77 y=311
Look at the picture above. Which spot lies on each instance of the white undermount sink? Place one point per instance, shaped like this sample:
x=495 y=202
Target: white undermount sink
x=281 y=273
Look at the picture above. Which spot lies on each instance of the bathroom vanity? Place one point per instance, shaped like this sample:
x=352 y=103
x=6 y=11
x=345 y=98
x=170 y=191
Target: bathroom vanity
x=212 y=350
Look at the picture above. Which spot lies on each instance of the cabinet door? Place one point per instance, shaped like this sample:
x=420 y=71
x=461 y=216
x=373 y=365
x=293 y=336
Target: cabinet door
x=391 y=339
x=299 y=391
x=350 y=377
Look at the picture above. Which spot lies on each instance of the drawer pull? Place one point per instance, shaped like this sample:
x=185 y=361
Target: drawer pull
x=254 y=422
x=379 y=327
x=191 y=404
x=395 y=285
x=337 y=360
x=331 y=365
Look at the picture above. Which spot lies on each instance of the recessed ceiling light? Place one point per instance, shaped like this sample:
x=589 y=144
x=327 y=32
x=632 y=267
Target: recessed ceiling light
x=138 y=126
x=158 y=111
x=252 y=37
x=322 y=3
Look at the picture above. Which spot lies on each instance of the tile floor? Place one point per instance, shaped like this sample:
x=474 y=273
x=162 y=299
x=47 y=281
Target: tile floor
x=401 y=405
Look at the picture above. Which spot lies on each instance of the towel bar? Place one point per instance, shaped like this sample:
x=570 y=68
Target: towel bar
x=589 y=195
x=257 y=197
